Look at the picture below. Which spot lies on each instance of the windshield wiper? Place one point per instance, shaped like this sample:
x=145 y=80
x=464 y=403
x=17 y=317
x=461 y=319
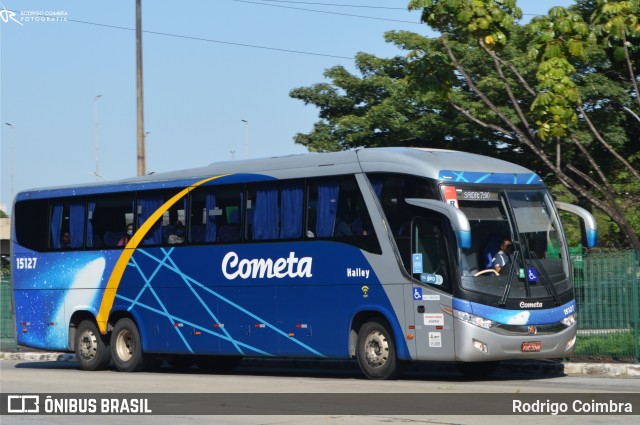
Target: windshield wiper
x=507 y=287
x=546 y=281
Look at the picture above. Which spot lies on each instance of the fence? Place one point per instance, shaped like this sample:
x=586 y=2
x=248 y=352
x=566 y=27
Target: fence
x=608 y=306
x=606 y=294
x=7 y=325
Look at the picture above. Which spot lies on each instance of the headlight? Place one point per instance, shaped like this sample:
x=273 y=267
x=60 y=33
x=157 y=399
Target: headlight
x=570 y=320
x=481 y=322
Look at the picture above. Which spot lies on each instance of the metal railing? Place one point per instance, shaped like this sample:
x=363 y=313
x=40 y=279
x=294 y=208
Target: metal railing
x=7 y=324
x=606 y=287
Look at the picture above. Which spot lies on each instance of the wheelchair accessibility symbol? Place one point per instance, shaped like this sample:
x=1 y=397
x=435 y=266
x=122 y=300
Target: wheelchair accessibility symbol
x=417 y=294
x=532 y=274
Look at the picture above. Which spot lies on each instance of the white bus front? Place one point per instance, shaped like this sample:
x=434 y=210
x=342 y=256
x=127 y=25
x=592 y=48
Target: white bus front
x=524 y=309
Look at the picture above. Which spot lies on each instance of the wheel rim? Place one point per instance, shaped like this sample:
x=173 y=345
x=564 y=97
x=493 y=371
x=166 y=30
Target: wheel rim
x=376 y=349
x=125 y=345
x=88 y=345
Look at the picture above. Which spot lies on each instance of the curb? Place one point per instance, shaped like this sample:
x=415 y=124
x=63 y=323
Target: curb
x=606 y=369
x=530 y=367
x=39 y=356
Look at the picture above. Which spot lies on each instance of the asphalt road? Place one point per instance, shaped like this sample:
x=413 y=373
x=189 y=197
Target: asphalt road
x=339 y=395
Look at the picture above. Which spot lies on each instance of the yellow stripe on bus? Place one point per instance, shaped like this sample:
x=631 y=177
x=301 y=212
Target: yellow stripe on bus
x=114 y=280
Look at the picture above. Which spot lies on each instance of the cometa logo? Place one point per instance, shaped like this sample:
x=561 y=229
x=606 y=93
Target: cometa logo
x=292 y=266
x=530 y=305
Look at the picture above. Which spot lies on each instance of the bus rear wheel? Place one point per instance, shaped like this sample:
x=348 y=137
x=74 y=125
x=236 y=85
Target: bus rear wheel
x=126 y=349
x=376 y=351
x=92 y=353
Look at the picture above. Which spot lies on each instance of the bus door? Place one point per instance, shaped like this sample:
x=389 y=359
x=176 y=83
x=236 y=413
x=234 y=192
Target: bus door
x=430 y=267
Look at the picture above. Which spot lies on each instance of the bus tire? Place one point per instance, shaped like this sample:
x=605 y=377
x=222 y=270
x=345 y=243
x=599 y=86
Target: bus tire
x=92 y=353
x=126 y=349
x=376 y=351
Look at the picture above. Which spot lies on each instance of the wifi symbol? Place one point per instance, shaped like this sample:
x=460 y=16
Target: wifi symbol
x=365 y=291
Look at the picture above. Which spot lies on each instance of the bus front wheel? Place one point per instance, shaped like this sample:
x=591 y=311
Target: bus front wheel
x=92 y=353
x=376 y=351
x=126 y=349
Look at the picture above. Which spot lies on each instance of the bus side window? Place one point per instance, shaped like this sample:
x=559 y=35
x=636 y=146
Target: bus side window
x=215 y=214
x=262 y=213
x=67 y=224
x=107 y=219
x=204 y=215
x=148 y=203
x=291 y=210
x=32 y=224
x=322 y=208
x=336 y=209
x=277 y=211
x=430 y=259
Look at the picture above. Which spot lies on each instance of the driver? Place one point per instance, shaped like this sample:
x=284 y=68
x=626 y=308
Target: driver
x=503 y=257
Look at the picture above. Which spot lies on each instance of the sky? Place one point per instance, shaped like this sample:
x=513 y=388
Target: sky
x=217 y=77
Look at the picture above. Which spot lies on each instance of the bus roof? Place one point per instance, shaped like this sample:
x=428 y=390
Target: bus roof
x=439 y=164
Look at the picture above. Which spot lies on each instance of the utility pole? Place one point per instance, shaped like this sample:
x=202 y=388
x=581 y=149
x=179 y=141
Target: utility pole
x=140 y=96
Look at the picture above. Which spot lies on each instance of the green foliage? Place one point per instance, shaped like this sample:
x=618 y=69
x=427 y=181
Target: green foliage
x=553 y=68
x=616 y=20
x=489 y=20
x=555 y=39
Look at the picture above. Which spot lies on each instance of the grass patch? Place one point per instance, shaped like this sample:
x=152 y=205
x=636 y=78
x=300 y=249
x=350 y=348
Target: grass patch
x=614 y=345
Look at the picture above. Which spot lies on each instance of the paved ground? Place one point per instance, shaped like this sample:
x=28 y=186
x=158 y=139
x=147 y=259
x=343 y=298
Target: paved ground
x=11 y=352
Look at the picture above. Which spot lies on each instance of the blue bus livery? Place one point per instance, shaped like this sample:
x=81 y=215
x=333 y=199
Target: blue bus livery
x=383 y=255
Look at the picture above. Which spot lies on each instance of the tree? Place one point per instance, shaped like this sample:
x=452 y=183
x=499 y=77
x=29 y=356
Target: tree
x=560 y=41
x=386 y=105
x=562 y=88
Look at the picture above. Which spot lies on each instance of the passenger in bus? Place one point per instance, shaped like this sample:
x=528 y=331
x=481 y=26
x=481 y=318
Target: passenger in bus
x=503 y=257
x=65 y=240
x=343 y=226
x=177 y=237
x=359 y=227
x=125 y=238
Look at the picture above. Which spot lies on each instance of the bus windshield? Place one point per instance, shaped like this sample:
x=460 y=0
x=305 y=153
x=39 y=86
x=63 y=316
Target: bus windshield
x=536 y=267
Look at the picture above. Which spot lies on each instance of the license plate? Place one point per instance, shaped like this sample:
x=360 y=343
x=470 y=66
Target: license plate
x=531 y=347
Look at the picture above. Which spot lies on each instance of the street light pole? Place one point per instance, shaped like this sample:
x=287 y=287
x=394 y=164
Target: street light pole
x=11 y=157
x=139 y=92
x=97 y=135
x=246 y=138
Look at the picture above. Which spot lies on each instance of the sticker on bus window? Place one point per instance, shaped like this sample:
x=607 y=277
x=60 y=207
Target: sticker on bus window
x=433 y=279
x=416 y=261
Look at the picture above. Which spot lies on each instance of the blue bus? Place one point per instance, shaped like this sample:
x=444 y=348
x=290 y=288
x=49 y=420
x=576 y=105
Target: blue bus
x=383 y=255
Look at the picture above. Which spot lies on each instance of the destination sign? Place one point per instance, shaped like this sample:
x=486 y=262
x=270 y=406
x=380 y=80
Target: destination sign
x=477 y=195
